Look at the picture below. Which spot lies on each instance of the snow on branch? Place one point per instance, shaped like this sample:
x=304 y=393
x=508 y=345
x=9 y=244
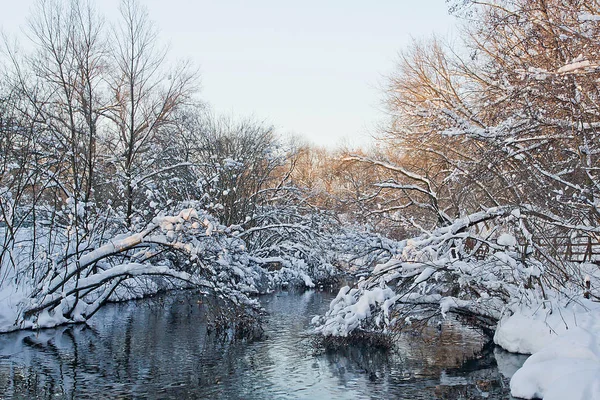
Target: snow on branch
x=82 y=283
x=441 y=272
x=423 y=186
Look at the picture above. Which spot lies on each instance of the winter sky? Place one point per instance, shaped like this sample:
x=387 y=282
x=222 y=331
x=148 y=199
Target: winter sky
x=313 y=68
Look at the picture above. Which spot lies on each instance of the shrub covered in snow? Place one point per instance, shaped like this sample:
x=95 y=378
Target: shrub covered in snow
x=187 y=249
x=466 y=269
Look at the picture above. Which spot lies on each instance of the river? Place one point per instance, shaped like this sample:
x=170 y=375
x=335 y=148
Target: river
x=159 y=348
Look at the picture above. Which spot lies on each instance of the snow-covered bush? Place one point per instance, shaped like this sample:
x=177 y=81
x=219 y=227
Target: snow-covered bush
x=185 y=249
x=472 y=268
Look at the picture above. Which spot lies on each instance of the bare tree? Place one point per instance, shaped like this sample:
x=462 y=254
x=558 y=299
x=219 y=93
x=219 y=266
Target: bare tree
x=55 y=93
x=145 y=94
x=69 y=62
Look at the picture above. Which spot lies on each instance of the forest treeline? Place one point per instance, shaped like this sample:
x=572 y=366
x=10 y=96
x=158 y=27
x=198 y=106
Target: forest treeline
x=112 y=168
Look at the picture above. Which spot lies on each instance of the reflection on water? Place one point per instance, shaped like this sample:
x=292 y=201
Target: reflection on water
x=160 y=348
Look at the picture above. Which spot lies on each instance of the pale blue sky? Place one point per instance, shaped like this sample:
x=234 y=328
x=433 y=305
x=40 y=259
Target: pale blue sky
x=312 y=68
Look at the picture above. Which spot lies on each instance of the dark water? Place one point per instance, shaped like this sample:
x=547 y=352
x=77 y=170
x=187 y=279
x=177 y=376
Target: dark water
x=160 y=348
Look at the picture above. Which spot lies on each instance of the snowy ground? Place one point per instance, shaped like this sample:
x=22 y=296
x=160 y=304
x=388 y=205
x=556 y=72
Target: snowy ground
x=565 y=345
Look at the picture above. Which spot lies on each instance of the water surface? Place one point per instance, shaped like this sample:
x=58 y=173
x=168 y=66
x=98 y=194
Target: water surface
x=160 y=348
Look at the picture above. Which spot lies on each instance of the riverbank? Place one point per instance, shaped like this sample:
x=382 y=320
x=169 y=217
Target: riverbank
x=564 y=343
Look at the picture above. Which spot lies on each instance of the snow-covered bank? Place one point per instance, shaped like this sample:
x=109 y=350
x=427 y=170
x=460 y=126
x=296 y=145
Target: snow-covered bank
x=530 y=328
x=565 y=345
x=567 y=368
